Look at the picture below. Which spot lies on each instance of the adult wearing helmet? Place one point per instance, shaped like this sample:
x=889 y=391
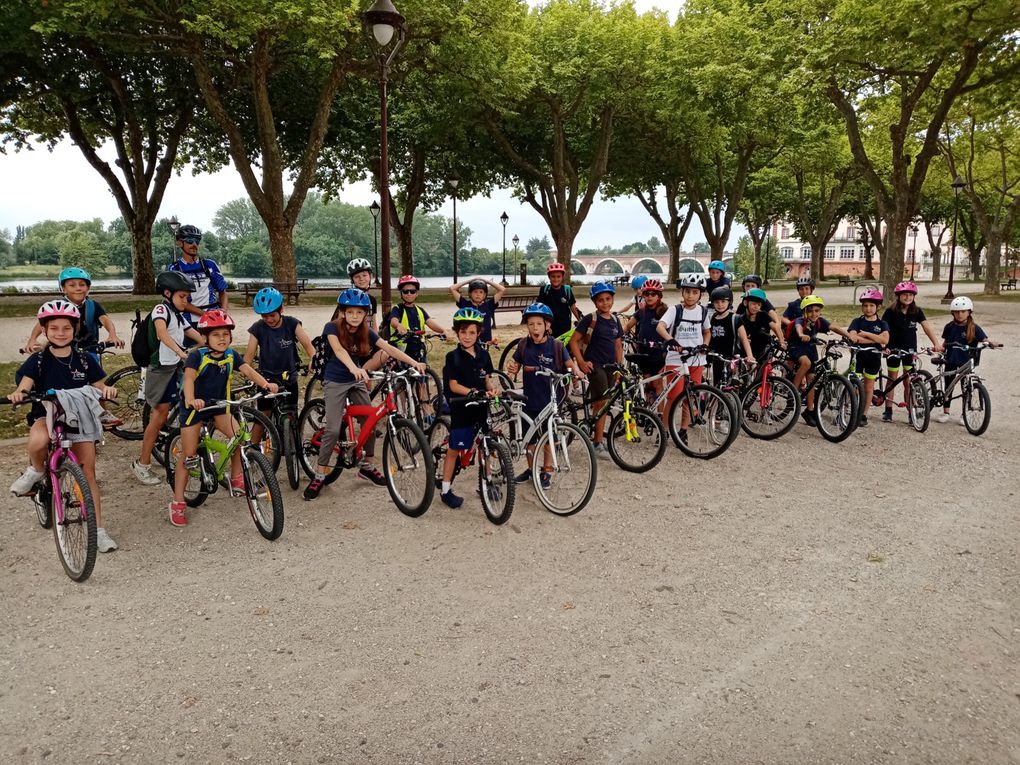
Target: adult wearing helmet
x=210 y=288
x=360 y=272
x=805 y=287
x=716 y=276
x=869 y=332
x=478 y=298
x=408 y=321
x=559 y=296
x=903 y=318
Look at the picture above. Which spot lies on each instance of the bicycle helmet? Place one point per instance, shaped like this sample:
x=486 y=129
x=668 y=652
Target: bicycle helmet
x=58 y=309
x=722 y=293
x=652 y=285
x=870 y=295
x=267 y=300
x=697 y=281
x=907 y=286
x=556 y=268
x=174 y=282
x=638 y=281
x=358 y=265
x=478 y=284
x=538 y=309
x=805 y=281
x=74 y=273
x=469 y=314
x=215 y=319
x=751 y=279
x=352 y=297
x=717 y=265
x=811 y=300
x=755 y=294
x=962 y=303
x=189 y=232
x=408 y=279
x=599 y=287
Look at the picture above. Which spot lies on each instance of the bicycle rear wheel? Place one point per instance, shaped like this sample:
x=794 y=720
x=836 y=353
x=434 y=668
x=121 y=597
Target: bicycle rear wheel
x=918 y=407
x=408 y=467
x=977 y=406
x=439 y=438
x=195 y=490
x=495 y=480
x=638 y=445
x=770 y=409
x=507 y=354
x=310 y=429
x=129 y=403
x=571 y=482
x=836 y=408
x=291 y=444
x=74 y=522
x=262 y=491
x=712 y=423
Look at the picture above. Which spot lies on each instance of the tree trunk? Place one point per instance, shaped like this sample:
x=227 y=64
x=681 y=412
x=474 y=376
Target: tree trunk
x=405 y=247
x=993 y=254
x=674 y=262
x=891 y=262
x=975 y=263
x=936 y=263
x=818 y=259
x=564 y=241
x=281 y=246
x=143 y=278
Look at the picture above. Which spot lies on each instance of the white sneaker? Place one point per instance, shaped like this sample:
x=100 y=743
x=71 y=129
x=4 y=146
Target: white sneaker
x=144 y=474
x=25 y=484
x=961 y=422
x=601 y=451
x=104 y=541
x=942 y=417
x=110 y=420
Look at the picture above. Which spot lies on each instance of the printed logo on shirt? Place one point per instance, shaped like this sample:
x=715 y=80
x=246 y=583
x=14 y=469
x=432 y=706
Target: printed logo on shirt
x=77 y=374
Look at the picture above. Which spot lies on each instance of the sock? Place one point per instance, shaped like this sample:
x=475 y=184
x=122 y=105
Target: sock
x=447 y=485
x=320 y=475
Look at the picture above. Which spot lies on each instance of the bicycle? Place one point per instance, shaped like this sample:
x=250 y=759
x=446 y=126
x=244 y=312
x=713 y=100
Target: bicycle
x=285 y=420
x=770 y=405
x=836 y=410
x=915 y=391
x=212 y=466
x=130 y=403
x=974 y=396
x=496 y=485
x=63 y=500
x=407 y=458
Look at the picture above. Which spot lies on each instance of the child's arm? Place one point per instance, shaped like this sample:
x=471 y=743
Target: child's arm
x=111 y=330
x=163 y=334
x=251 y=350
x=745 y=343
x=195 y=335
x=26 y=384
x=777 y=330
x=775 y=317
x=32 y=346
x=188 y=389
x=399 y=355
x=360 y=375
x=396 y=326
x=460 y=390
x=248 y=371
x=499 y=290
x=435 y=326
x=631 y=323
x=801 y=334
x=936 y=344
x=305 y=340
x=840 y=331
x=619 y=350
x=109 y=392
x=455 y=290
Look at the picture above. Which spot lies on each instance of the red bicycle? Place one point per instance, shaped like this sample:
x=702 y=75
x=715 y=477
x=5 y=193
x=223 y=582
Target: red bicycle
x=769 y=404
x=407 y=460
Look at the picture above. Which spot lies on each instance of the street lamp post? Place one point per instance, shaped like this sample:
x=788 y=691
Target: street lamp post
x=913 y=250
x=765 y=276
x=374 y=209
x=517 y=240
x=503 y=219
x=385 y=22
x=174 y=225
x=958 y=184
x=454 y=181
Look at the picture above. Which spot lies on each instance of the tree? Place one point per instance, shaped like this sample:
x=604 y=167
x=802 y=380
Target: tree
x=81 y=248
x=251 y=259
x=768 y=196
x=537 y=246
x=239 y=219
x=936 y=214
x=654 y=245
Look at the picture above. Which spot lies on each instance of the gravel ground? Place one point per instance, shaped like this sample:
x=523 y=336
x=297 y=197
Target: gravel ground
x=789 y=602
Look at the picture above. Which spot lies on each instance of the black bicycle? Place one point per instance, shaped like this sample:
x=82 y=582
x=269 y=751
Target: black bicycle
x=964 y=384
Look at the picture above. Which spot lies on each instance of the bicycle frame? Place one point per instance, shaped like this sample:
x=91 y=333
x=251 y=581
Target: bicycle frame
x=548 y=418
x=60 y=450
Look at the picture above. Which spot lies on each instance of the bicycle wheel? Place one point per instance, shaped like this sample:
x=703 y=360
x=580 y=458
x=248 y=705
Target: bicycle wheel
x=291 y=444
x=313 y=389
x=408 y=467
x=918 y=407
x=129 y=403
x=636 y=445
x=836 y=408
x=271 y=443
x=439 y=437
x=41 y=499
x=430 y=399
x=505 y=381
x=195 y=490
x=310 y=427
x=933 y=387
x=74 y=522
x=712 y=423
x=977 y=406
x=770 y=409
x=507 y=354
x=496 y=480
x=574 y=470
x=262 y=491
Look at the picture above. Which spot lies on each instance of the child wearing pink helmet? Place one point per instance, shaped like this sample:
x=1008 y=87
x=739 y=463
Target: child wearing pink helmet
x=869 y=331
x=903 y=317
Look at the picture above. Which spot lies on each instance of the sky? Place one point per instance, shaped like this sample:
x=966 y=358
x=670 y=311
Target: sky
x=39 y=185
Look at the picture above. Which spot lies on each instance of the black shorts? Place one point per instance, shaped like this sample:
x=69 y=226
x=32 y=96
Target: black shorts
x=650 y=362
x=416 y=350
x=796 y=351
x=869 y=364
x=900 y=360
x=598 y=383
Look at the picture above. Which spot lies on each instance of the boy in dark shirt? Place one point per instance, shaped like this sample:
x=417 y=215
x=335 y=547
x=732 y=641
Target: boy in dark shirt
x=802 y=348
x=723 y=329
x=805 y=287
x=605 y=346
x=559 y=296
x=478 y=298
x=756 y=327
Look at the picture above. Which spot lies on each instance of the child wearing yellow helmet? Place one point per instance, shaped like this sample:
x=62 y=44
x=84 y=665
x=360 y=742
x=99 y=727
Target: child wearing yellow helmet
x=802 y=348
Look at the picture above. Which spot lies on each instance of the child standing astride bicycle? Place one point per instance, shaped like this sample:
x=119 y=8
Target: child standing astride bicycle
x=802 y=347
x=538 y=350
x=207 y=379
x=274 y=340
x=962 y=330
x=59 y=366
x=645 y=321
x=407 y=319
x=903 y=317
x=756 y=325
x=353 y=344
x=723 y=330
x=869 y=331
x=687 y=325
x=468 y=371
x=604 y=336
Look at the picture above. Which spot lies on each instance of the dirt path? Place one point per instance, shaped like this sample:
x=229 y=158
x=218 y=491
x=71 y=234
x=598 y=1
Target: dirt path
x=788 y=602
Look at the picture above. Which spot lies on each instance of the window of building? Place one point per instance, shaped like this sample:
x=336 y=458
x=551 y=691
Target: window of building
x=830 y=253
x=784 y=233
x=805 y=251
x=851 y=232
x=846 y=253
x=786 y=252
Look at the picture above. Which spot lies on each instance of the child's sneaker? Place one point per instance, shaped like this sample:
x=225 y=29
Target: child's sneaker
x=24 y=485
x=545 y=479
x=887 y=415
x=961 y=422
x=313 y=488
x=809 y=417
x=863 y=422
x=451 y=500
x=523 y=477
x=237 y=486
x=373 y=474
x=104 y=542
x=601 y=451
x=177 y=514
x=942 y=417
x=144 y=474
x=110 y=420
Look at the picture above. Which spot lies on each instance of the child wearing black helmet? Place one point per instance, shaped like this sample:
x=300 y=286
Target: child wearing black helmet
x=723 y=329
x=478 y=298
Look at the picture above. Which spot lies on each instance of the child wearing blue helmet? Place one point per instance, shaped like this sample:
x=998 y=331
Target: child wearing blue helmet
x=716 y=276
x=638 y=284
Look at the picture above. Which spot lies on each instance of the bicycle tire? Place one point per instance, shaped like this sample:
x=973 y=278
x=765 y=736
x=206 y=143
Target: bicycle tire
x=290 y=443
x=711 y=429
x=918 y=406
x=575 y=470
x=74 y=529
x=862 y=408
x=497 y=489
x=313 y=389
x=507 y=354
x=505 y=381
x=195 y=493
x=977 y=426
x=309 y=435
x=128 y=405
x=933 y=386
x=402 y=435
x=270 y=445
x=41 y=500
x=260 y=480
x=439 y=436
x=779 y=402
x=648 y=431
x=836 y=395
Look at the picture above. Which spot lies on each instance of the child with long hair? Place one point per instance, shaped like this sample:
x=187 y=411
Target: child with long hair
x=962 y=330
x=903 y=318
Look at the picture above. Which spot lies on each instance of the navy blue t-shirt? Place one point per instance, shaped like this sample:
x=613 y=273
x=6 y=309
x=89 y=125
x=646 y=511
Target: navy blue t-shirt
x=471 y=372
x=551 y=354
x=875 y=326
x=277 y=347
x=647 y=324
x=711 y=284
x=559 y=299
x=336 y=371
x=759 y=331
x=488 y=310
x=810 y=329
x=903 y=328
x=214 y=372
x=954 y=333
x=601 y=348
x=793 y=310
x=49 y=372
x=88 y=331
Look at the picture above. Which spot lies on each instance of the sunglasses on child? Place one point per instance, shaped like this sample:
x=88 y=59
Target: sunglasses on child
x=409 y=292
x=191 y=240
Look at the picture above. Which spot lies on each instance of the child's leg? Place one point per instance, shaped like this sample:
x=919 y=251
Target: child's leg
x=449 y=465
x=890 y=398
x=86 y=454
x=38 y=444
x=600 y=423
x=358 y=396
x=157 y=419
x=696 y=374
x=335 y=397
x=869 y=391
x=189 y=452
x=227 y=425
x=803 y=365
x=811 y=394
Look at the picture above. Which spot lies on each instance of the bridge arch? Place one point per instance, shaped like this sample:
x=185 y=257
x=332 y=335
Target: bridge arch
x=647 y=266
x=577 y=267
x=691 y=266
x=609 y=266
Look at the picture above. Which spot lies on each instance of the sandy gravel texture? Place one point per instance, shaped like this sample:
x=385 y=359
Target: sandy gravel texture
x=795 y=601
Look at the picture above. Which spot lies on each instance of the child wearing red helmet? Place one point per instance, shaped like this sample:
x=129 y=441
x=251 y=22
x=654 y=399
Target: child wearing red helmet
x=559 y=296
x=869 y=331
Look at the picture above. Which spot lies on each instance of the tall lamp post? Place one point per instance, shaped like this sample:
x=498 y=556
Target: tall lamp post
x=454 y=181
x=374 y=209
x=503 y=219
x=958 y=185
x=913 y=250
x=174 y=225
x=385 y=22
x=765 y=276
x=517 y=240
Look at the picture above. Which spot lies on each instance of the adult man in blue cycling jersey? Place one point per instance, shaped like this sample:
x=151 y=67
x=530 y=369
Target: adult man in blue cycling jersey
x=210 y=286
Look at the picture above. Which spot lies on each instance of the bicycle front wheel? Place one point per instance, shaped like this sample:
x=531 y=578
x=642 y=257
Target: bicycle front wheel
x=408 y=467
x=74 y=522
x=41 y=499
x=637 y=443
x=570 y=482
x=128 y=405
x=836 y=408
x=770 y=409
x=262 y=491
x=918 y=407
x=290 y=442
x=496 y=480
x=711 y=422
x=270 y=445
x=977 y=406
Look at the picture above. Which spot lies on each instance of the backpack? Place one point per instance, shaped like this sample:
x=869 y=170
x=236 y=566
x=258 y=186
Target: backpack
x=586 y=337
x=317 y=365
x=568 y=291
x=145 y=342
x=677 y=319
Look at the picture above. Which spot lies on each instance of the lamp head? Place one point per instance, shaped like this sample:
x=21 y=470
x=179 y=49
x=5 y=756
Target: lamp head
x=504 y=218
x=385 y=21
x=374 y=208
x=958 y=185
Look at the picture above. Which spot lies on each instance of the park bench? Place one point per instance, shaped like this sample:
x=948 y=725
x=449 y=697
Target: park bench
x=290 y=290
x=1009 y=284
x=847 y=281
x=514 y=303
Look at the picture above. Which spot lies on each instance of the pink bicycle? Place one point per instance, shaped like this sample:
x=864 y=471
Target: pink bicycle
x=63 y=500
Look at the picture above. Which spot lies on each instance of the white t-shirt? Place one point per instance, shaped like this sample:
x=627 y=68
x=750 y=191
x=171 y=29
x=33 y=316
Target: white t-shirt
x=175 y=325
x=689 y=332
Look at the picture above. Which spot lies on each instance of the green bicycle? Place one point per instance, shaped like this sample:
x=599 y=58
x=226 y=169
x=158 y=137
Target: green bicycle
x=212 y=467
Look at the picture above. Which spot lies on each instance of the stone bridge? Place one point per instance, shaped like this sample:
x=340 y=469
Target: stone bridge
x=607 y=263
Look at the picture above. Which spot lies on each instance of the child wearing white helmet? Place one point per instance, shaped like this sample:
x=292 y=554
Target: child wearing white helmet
x=360 y=272
x=687 y=325
x=869 y=331
x=961 y=331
